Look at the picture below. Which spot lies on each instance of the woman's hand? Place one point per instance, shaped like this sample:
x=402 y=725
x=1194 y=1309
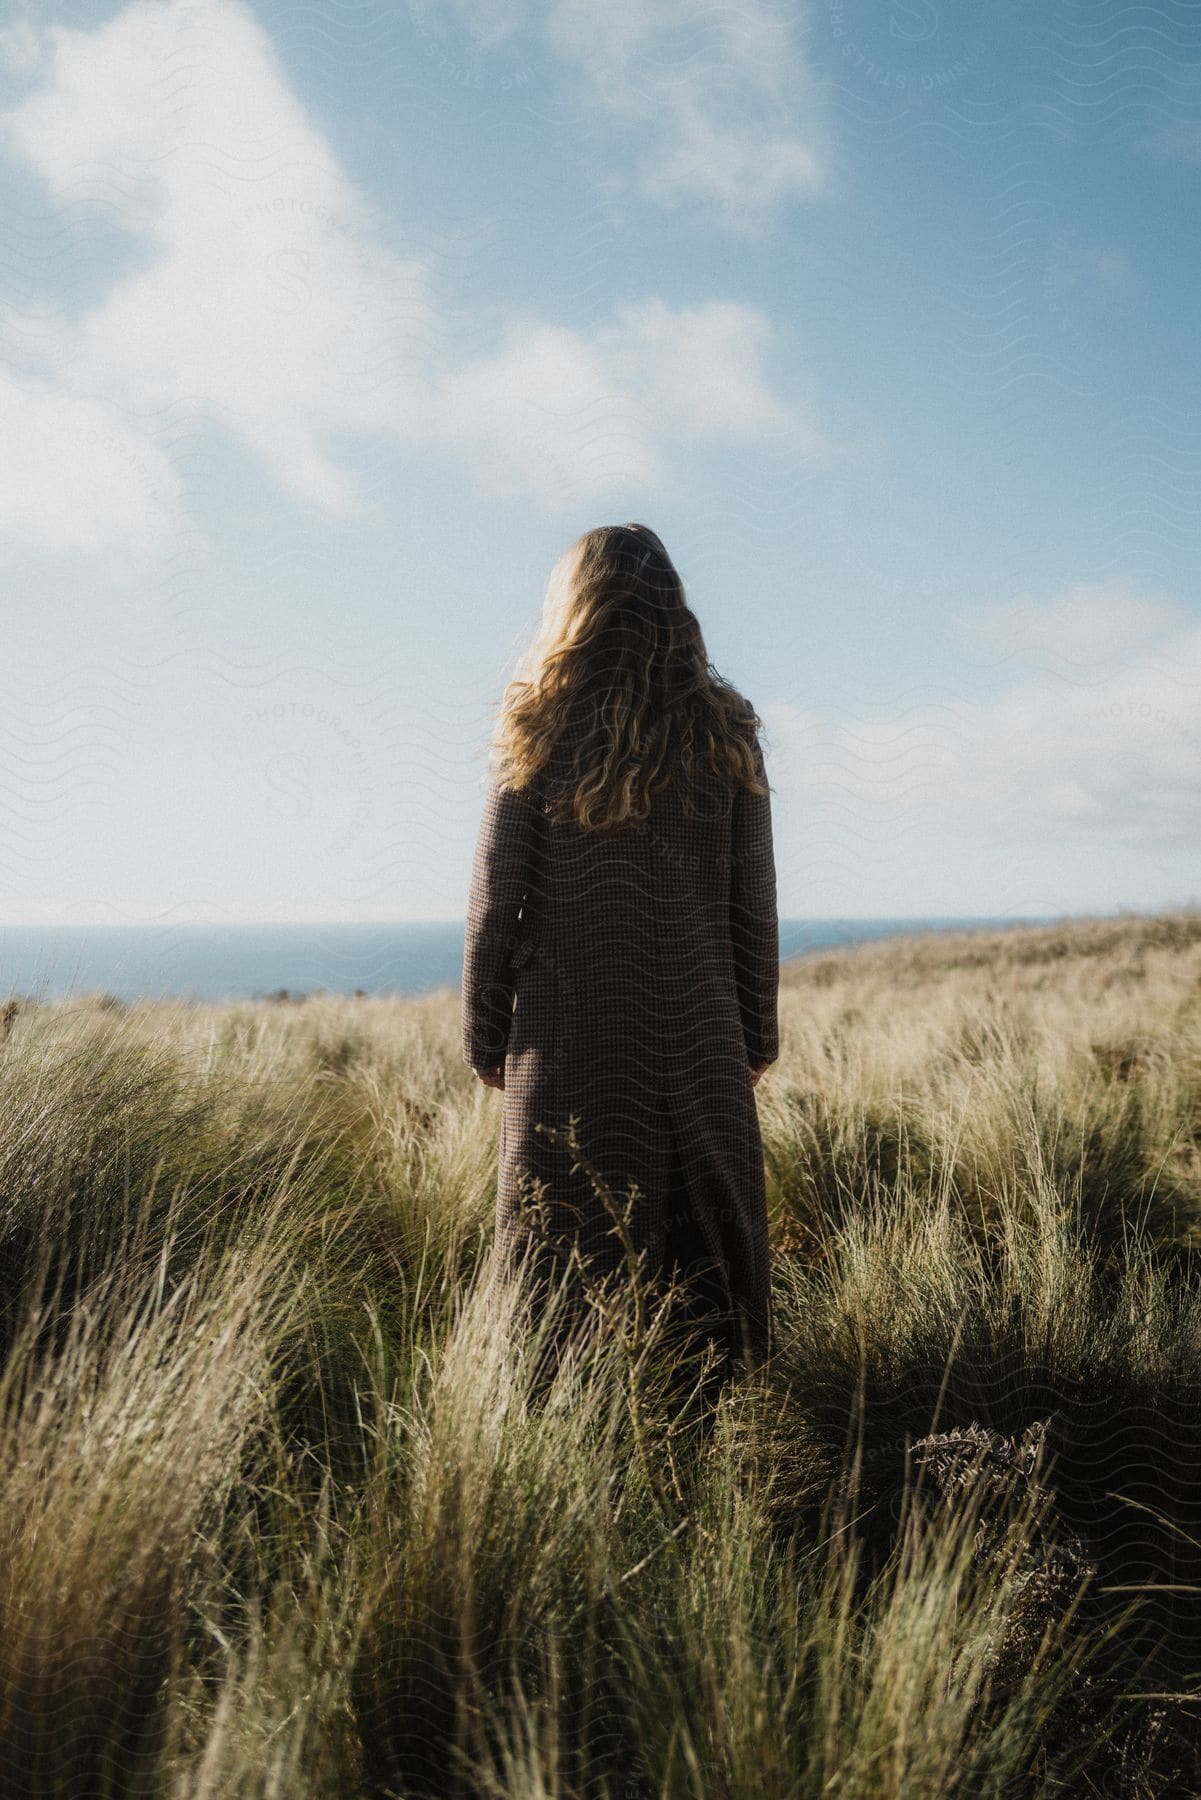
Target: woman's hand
x=494 y=1078
x=757 y=1070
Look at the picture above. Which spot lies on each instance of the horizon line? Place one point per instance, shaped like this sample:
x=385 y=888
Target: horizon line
x=459 y=920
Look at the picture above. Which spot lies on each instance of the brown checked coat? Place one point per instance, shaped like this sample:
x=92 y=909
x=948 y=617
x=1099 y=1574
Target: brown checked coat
x=630 y=978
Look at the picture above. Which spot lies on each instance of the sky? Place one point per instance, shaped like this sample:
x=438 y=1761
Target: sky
x=327 y=328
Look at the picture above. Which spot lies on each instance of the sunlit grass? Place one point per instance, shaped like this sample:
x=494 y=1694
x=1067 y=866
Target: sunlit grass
x=288 y=1510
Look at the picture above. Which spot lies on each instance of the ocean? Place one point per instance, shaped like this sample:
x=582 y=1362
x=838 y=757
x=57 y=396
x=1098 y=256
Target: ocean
x=239 y=962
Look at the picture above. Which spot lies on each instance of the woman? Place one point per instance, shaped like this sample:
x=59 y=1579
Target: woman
x=622 y=955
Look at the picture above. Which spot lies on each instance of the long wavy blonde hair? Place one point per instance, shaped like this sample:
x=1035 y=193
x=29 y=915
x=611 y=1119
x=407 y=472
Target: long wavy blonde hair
x=620 y=657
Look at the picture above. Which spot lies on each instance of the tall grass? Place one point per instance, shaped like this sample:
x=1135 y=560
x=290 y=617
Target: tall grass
x=288 y=1510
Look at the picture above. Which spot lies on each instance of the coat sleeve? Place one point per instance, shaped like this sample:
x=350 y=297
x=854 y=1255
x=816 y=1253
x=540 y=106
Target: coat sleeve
x=754 y=924
x=500 y=884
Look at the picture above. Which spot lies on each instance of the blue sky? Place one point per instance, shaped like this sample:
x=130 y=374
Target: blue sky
x=327 y=328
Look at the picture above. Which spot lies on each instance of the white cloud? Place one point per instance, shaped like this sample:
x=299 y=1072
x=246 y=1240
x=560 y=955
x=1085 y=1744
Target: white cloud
x=727 y=100
x=698 y=367
x=1075 y=632
x=578 y=414
x=1116 y=761
x=268 y=306
x=268 y=302
x=78 y=476
x=545 y=414
x=720 y=99
x=19 y=47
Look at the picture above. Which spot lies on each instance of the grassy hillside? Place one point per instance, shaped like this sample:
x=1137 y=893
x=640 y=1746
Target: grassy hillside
x=278 y=1521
